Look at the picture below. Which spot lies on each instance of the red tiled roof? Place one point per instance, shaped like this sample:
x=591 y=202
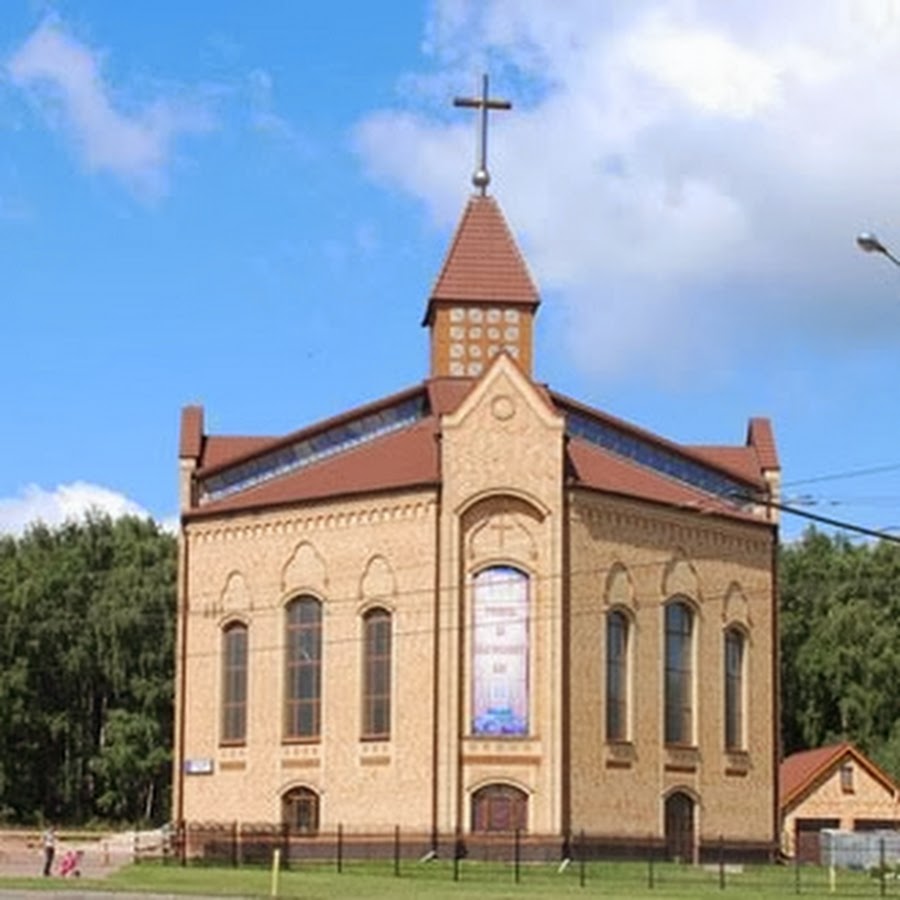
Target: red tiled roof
x=223 y=450
x=731 y=460
x=800 y=772
x=403 y=459
x=269 y=445
x=409 y=457
x=446 y=394
x=742 y=462
x=598 y=469
x=484 y=263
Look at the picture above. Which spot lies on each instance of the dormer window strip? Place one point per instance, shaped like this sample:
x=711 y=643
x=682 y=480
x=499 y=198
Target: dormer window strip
x=313 y=449
x=657 y=458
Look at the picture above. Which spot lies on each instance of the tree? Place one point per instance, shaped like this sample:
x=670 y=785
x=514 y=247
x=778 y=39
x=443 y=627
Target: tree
x=87 y=619
x=840 y=645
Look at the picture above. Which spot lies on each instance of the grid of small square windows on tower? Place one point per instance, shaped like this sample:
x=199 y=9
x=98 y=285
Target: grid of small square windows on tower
x=477 y=335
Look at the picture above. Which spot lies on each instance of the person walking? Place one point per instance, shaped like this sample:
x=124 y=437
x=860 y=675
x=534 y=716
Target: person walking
x=48 y=839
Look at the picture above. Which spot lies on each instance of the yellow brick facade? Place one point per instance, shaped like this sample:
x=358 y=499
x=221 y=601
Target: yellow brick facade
x=503 y=500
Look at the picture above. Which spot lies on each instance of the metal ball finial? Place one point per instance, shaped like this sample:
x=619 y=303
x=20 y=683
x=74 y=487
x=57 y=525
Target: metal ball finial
x=481 y=179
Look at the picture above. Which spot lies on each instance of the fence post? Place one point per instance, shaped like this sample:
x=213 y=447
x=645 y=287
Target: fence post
x=796 y=871
x=650 y=879
x=234 y=844
x=517 y=851
x=182 y=841
x=285 y=845
x=457 y=853
x=397 y=851
x=881 y=873
x=581 y=858
x=721 y=863
x=340 y=848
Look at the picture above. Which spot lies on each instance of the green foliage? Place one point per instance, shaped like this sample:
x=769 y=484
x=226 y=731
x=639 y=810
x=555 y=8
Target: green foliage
x=840 y=645
x=87 y=623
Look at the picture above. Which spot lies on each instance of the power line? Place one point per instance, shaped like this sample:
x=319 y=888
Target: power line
x=838 y=476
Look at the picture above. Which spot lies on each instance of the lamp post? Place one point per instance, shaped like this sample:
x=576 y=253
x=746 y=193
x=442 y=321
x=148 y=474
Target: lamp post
x=870 y=244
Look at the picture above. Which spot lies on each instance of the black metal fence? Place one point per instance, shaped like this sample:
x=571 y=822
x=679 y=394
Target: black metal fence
x=518 y=857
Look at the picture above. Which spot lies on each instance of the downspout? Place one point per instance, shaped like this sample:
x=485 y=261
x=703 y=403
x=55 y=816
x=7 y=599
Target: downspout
x=776 y=690
x=436 y=669
x=182 y=673
x=566 y=601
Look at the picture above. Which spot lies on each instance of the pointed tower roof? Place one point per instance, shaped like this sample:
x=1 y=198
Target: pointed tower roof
x=484 y=264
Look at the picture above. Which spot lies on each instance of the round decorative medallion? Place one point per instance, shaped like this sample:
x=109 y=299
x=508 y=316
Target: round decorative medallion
x=503 y=407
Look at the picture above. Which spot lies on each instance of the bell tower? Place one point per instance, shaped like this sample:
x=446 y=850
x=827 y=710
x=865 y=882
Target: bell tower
x=484 y=300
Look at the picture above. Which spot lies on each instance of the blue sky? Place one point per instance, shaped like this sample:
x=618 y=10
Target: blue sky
x=245 y=206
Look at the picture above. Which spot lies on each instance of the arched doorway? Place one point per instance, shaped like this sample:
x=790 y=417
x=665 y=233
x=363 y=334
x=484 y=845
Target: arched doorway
x=300 y=810
x=680 y=827
x=499 y=807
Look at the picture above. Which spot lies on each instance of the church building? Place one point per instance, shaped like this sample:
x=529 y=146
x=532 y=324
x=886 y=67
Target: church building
x=479 y=605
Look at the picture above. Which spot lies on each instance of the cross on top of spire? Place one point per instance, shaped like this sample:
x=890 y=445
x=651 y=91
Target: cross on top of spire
x=481 y=178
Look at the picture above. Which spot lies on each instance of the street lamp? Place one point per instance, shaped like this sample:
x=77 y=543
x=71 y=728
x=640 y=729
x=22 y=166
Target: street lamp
x=870 y=244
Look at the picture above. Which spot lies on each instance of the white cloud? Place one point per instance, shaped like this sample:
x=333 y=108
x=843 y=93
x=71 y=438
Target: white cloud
x=65 y=503
x=682 y=174
x=64 y=76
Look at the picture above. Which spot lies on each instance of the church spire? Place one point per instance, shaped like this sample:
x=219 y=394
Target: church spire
x=484 y=299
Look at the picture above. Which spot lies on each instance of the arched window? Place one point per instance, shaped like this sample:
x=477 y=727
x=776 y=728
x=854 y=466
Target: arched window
x=499 y=807
x=734 y=690
x=500 y=652
x=617 y=637
x=679 y=819
x=300 y=810
x=304 y=668
x=376 y=693
x=234 y=683
x=679 y=675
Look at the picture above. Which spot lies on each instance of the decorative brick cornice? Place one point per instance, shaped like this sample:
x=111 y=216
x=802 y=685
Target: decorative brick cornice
x=312 y=520
x=723 y=540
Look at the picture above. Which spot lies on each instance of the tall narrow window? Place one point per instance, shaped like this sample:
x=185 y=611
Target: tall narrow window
x=376 y=718
x=617 y=676
x=734 y=689
x=304 y=668
x=234 y=683
x=500 y=652
x=679 y=686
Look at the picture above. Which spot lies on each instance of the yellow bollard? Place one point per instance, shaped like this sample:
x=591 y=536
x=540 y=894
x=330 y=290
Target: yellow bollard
x=276 y=865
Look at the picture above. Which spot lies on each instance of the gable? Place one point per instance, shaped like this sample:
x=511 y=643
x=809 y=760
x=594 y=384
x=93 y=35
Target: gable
x=815 y=776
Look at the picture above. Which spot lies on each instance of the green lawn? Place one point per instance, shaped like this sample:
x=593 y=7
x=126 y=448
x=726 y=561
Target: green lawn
x=434 y=881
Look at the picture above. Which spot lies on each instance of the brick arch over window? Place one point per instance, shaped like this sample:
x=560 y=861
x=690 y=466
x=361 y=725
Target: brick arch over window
x=499 y=807
x=303 y=668
x=501 y=526
x=300 y=810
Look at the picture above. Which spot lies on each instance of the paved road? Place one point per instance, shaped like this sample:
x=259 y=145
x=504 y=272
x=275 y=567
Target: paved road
x=75 y=894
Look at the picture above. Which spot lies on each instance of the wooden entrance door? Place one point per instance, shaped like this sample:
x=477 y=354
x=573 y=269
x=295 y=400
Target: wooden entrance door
x=680 y=827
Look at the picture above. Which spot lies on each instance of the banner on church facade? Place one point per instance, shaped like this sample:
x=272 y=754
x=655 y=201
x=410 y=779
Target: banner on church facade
x=500 y=652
